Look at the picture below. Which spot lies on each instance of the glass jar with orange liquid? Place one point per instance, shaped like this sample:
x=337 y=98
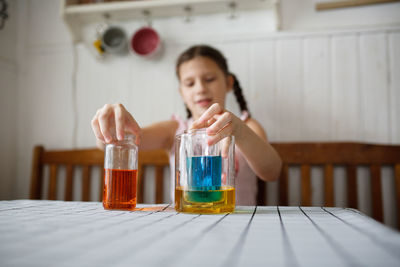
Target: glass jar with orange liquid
x=204 y=175
x=120 y=174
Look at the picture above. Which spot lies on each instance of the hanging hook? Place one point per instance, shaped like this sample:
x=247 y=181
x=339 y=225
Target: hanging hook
x=147 y=17
x=3 y=13
x=188 y=13
x=232 y=6
x=106 y=16
x=101 y=27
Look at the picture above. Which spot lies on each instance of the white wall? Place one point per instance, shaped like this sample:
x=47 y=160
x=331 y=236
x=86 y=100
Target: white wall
x=301 y=85
x=8 y=108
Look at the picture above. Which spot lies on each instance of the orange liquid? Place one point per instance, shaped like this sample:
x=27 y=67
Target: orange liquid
x=119 y=189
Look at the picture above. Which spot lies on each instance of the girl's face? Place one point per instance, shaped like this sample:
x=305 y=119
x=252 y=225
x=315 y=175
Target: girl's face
x=203 y=83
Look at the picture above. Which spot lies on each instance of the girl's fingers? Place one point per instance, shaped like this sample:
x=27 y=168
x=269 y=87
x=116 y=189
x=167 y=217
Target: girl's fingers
x=119 y=113
x=226 y=131
x=104 y=122
x=225 y=146
x=96 y=129
x=124 y=122
x=112 y=122
x=207 y=115
x=212 y=120
x=220 y=123
x=133 y=127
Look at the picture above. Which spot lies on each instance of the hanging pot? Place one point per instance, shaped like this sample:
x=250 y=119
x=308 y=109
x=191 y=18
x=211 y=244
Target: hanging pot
x=113 y=39
x=145 y=42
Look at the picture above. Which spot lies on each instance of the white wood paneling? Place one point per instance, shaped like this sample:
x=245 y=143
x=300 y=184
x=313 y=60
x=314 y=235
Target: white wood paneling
x=262 y=86
x=374 y=99
x=317 y=89
x=389 y=196
x=345 y=88
x=364 y=190
x=340 y=188
x=8 y=138
x=261 y=95
x=8 y=104
x=394 y=85
x=45 y=110
x=289 y=84
x=234 y=53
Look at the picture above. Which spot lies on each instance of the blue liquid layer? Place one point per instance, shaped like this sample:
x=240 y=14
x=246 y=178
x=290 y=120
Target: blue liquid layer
x=204 y=178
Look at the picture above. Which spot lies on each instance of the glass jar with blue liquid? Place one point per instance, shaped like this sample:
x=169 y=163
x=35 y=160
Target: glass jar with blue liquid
x=204 y=175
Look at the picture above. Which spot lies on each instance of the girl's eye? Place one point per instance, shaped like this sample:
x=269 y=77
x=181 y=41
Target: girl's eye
x=189 y=84
x=210 y=79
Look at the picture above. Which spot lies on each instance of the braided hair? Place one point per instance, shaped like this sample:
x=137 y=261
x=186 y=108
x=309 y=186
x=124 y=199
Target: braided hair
x=219 y=59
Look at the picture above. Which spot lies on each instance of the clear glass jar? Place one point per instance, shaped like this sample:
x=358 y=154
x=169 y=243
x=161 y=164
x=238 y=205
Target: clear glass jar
x=120 y=174
x=204 y=175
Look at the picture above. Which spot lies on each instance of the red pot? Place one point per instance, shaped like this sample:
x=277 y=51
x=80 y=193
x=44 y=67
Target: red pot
x=145 y=41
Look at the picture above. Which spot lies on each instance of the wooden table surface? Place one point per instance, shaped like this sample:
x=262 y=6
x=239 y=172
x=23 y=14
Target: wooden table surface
x=58 y=233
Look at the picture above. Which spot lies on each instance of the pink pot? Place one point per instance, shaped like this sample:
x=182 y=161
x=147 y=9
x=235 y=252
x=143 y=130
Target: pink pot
x=145 y=41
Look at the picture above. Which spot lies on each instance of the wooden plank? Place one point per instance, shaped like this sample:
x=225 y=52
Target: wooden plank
x=53 y=182
x=345 y=88
x=305 y=185
x=75 y=157
x=69 y=183
x=397 y=180
x=140 y=183
x=37 y=173
x=352 y=189
x=374 y=87
x=349 y=3
x=337 y=153
x=235 y=51
x=394 y=91
x=329 y=185
x=317 y=91
x=159 y=184
x=283 y=186
x=153 y=157
x=289 y=89
x=86 y=170
x=376 y=192
x=262 y=57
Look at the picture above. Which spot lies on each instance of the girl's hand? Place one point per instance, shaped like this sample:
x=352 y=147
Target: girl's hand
x=111 y=122
x=219 y=123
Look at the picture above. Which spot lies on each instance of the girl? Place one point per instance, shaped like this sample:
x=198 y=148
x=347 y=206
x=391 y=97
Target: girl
x=204 y=80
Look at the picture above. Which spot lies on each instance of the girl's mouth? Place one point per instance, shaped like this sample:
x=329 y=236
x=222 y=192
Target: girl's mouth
x=204 y=102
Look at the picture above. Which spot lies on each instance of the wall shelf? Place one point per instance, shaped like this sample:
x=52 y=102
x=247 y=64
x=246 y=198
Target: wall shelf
x=78 y=15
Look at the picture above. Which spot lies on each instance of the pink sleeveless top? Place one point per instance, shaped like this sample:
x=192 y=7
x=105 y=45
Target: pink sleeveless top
x=246 y=179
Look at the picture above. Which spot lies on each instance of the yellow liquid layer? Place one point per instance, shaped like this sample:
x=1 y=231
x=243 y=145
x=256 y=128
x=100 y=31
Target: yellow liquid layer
x=219 y=201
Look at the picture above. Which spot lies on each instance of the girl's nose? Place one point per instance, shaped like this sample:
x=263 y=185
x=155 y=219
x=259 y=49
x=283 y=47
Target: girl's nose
x=201 y=86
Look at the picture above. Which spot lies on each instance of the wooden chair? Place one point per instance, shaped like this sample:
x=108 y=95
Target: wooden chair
x=330 y=155
x=305 y=155
x=87 y=159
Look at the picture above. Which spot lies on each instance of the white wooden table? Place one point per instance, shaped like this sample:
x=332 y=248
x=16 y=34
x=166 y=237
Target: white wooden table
x=57 y=233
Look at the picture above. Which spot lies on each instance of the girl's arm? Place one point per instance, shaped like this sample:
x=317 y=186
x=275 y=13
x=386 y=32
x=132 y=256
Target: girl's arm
x=250 y=137
x=159 y=135
x=111 y=122
x=261 y=156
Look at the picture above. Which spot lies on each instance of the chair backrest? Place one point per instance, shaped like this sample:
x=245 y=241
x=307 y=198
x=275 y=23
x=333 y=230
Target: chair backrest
x=87 y=159
x=329 y=155
x=159 y=160
x=305 y=155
